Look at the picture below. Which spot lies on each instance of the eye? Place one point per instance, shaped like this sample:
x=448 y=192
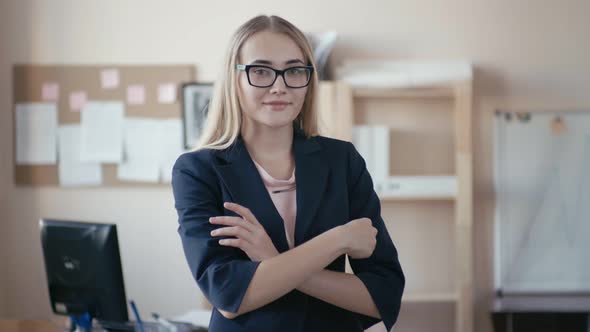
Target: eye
x=261 y=71
x=296 y=71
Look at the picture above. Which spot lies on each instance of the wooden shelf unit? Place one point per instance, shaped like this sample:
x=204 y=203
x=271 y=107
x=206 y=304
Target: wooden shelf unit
x=429 y=297
x=388 y=198
x=339 y=106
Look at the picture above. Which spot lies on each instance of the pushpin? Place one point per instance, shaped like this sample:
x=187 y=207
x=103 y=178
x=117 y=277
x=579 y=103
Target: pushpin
x=523 y=116
x=557 y=125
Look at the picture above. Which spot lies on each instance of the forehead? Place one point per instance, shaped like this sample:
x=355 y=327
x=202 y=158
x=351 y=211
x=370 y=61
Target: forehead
x=266 y=45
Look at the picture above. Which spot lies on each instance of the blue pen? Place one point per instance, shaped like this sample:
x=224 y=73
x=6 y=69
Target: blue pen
x=136 y=313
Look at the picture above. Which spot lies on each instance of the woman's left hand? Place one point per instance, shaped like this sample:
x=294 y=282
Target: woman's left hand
x=250 y=235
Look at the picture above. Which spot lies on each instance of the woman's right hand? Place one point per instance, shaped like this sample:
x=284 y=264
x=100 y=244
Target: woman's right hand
x=360 y=238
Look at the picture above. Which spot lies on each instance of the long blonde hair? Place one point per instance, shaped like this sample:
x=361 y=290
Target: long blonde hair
x=224 y=118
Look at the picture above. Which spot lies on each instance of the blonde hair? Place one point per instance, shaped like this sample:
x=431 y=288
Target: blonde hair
x=224 y=118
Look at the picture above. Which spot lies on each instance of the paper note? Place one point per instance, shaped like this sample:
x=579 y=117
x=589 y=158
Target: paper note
x=139 y=170
x=102 y=132
x=172 y=146
x=36 y=131
x=50 y=91
x=73 y=172
x=135 y=95
x=167 y=93
x=142 y=150
x=109 y=78
x=151 y=148
x=77 y=100
x=141 y=138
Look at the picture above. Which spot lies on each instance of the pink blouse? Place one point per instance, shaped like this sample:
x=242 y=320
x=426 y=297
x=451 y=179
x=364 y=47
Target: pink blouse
x=283 y=195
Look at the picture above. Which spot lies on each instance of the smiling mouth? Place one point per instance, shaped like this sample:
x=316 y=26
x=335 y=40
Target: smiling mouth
x=277 y=106
x=279 y=103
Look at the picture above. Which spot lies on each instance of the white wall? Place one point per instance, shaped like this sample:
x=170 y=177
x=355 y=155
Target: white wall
x=529 y=52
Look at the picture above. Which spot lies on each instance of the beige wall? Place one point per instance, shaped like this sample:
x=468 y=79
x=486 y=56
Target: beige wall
x=5 y=152
x=529 y=53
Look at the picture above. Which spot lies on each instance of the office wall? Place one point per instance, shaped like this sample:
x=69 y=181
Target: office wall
x=527 y=53
x=5 y=152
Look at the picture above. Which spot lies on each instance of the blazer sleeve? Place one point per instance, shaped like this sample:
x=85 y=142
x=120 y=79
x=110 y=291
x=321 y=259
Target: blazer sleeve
x=222 y=273
x=381 y=273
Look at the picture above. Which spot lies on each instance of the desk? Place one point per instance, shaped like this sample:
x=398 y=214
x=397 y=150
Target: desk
x=60 y=323
x=16 y=325
x=29 y=326
x=542 y=313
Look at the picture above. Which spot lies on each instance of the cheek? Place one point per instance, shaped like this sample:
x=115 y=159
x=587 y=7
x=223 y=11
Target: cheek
x=300 y=96
x=249 y=96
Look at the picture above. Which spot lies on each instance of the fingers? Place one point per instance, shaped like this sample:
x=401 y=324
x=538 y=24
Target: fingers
x=242 y=211
x=368 y=222
x=237 y=243
x=235 y=231
x=231 y=221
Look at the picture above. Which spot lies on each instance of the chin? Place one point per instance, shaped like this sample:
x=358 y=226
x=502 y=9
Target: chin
x=277 y=120
x=276 y=123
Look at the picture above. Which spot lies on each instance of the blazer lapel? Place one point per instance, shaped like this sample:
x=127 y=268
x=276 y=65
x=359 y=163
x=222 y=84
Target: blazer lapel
x=311 y=177
x=246 y=187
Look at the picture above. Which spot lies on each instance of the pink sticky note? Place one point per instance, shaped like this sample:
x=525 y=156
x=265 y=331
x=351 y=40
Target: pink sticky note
x=135 y=94
x=109 y=78
x=50 y=91
x=167 y=93
x=77 y=100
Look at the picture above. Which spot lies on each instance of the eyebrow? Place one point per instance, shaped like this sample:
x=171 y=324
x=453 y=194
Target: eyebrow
x=266 y=62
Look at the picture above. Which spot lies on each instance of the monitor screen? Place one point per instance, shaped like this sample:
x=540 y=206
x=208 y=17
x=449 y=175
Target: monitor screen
x=83 y=269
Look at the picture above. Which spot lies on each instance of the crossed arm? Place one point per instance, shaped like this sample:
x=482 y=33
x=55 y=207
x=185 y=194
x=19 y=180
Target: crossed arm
x=300 y=268
x=338 y=288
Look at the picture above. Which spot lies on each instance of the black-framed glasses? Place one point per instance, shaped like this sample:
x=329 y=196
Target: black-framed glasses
x=263 y=76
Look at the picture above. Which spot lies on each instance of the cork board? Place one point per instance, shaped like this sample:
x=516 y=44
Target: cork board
x=28 y=81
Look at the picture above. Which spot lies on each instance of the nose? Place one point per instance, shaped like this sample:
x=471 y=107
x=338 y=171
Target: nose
x=279 y=86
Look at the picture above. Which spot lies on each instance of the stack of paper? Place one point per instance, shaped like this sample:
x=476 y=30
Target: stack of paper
x=372 y=142
x=429 y=186
x=366 y=73
x=322 y=44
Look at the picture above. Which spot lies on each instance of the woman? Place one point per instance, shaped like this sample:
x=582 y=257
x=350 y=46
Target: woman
x=268 y=209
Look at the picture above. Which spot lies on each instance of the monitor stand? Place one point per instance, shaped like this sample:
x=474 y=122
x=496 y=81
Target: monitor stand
x=81 y=323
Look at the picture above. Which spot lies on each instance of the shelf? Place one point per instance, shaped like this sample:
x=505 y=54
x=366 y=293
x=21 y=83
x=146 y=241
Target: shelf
x=413 y=92
x=429 y=297
x=402 y=198
x=424 y=187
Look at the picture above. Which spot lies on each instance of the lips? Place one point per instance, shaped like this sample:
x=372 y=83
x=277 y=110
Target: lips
x=277 y=103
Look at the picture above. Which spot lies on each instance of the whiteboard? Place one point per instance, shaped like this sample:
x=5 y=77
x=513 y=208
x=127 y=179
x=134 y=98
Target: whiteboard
x=542 y=216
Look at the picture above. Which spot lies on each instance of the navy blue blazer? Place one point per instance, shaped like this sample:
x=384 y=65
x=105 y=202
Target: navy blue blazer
x=333 y=187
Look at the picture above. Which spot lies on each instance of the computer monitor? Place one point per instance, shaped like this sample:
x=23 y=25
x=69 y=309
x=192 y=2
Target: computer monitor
x=83 y=269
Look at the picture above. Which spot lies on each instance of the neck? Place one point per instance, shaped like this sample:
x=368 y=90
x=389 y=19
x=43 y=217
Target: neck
x=266 y=143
